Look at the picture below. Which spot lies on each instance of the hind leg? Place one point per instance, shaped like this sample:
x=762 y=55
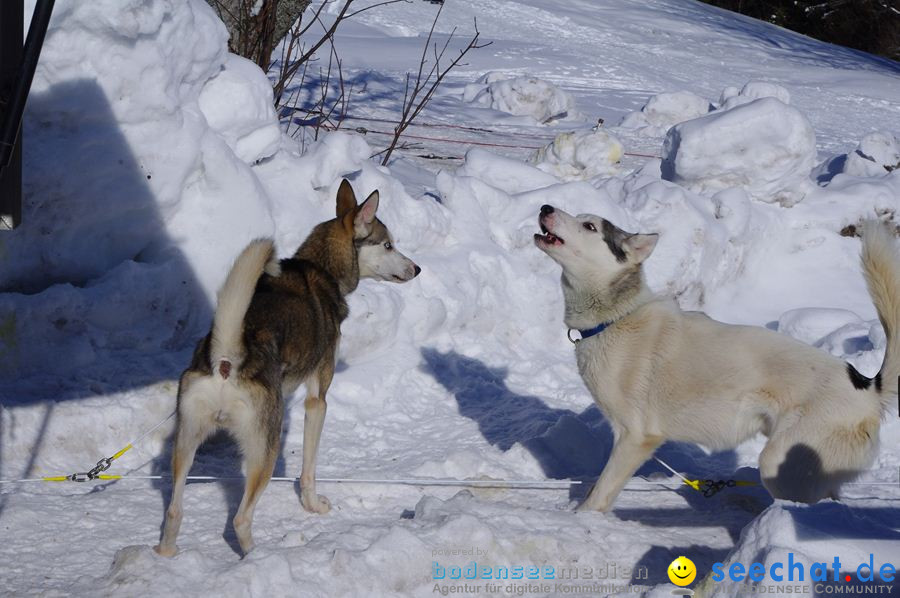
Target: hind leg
x=258 y=433
x=807 y=463
x=790 y=472
x=258 y=467
x=314 y=418
x=193 y=429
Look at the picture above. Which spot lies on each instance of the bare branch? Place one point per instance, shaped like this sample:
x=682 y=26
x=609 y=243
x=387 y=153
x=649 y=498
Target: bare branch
x=314 y=20
x=295 y=65
x=321 y=113
x=424 y=88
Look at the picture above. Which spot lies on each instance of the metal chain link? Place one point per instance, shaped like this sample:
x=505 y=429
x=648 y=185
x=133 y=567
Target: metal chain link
x=84 y=476
x=711 y=487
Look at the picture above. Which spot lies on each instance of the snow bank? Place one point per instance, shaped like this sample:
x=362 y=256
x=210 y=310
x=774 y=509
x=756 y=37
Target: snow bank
x=521 y=96
x=580 y=155
x=699 y=248
x=427 y=542
x=136 y=163
x=664 y=110
x=512 y=176
x=101 y=116
x=839 y=332
x=810 y=534
x=764 y=146
x=876 y=155
x=752 y=90
x=812 y=325
x=238 y=104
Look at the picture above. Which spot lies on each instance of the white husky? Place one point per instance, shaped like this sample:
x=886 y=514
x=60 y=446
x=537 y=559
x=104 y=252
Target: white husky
x=659 y=374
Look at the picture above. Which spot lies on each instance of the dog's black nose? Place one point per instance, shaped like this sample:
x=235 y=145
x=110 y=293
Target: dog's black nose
x=546 y=209
x=418 y=269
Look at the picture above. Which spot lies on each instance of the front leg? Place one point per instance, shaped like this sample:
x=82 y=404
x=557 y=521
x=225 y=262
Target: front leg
x=629 y=452
x=316 y=387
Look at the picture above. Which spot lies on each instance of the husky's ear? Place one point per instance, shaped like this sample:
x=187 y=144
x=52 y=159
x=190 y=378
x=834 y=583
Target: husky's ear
x=365 y=216
x=346 y=200
x=639 y=247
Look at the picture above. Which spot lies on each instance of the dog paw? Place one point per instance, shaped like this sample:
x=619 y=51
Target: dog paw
x=167 y=552
x=315 y=503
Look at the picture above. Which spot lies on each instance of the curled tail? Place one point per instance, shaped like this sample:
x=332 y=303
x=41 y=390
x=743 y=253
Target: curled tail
x=881 y=267
x=226 y=348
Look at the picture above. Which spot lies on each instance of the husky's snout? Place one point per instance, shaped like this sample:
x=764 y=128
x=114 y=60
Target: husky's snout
x=411 y=272
x=547 y=222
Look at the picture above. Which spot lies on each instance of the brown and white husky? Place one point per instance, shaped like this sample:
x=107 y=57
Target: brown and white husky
x=277 y=325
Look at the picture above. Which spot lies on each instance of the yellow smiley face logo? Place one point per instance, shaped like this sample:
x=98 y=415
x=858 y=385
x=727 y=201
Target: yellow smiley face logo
x=682 y=571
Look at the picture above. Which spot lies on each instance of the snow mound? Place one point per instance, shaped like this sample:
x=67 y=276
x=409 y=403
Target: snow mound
x=426 y=541
x=238 y=104
x=838 y=331
x=128 y=185
x=521 y=96
x=580 y=155
x=512 y=176
x=810 y=534
x=753 y=90
x=697 y=250
x=664 y=110
x=765 y=146
x=811 y=325
x=876 y=155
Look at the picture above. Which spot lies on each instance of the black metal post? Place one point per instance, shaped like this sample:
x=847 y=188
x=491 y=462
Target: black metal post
x=17 y=65
x=11 y=21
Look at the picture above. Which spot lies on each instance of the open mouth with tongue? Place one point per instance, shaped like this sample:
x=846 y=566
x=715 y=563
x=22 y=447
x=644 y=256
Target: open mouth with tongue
x=548 y=238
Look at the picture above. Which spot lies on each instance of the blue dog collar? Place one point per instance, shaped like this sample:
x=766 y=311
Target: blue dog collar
x=589 y=332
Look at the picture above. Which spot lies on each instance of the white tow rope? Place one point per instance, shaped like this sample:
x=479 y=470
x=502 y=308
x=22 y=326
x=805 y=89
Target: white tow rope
x=707 y=487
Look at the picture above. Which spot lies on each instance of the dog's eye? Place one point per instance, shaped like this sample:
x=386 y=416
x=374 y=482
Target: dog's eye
x=388 y=246
x=590 y=226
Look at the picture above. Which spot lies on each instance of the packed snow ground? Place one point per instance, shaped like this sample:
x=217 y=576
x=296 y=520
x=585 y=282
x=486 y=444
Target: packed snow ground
x=152 y=157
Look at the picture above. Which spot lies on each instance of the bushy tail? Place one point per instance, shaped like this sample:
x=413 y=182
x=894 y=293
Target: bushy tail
x=881 y=267
x=226 y=348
